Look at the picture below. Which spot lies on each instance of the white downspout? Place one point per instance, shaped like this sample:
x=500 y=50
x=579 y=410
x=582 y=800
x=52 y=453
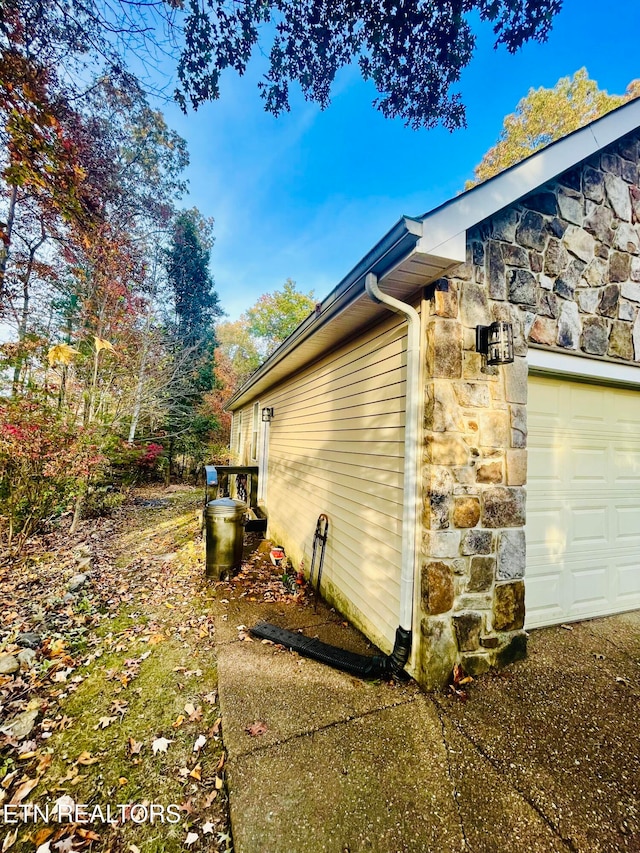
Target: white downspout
x=411 y=451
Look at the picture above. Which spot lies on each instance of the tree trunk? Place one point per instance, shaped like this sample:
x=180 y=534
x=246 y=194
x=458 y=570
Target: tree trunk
x=137 y=405
x=4 y=252
x=170 y=458
x=77 y=513
x=22 y=328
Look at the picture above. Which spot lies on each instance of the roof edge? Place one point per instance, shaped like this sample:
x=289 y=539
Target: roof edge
x=392 y=249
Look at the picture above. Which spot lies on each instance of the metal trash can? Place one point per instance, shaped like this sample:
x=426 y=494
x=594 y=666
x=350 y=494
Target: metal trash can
x=224 y=533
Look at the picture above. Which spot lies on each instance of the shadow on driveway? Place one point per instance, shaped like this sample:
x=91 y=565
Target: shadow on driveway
x=544 y=756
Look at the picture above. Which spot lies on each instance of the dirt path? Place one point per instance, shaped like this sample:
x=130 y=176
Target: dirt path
x=111 y=725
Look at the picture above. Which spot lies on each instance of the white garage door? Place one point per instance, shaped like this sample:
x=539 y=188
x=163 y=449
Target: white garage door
x=583 y=501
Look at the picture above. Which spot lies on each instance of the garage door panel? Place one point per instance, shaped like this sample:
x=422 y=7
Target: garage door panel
x=589 y=586
x=546 y=534
x=583 y=501
x=588 y=403
x=628 y=523
x=546 y=465
x=626 y=463
x=628 y=577
x=542 y=591
x=589 y=464
x=590 y=526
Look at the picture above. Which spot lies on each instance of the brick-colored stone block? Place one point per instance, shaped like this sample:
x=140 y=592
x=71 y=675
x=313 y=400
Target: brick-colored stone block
x=466 y=511
x=437 y=587
x=489 y=472
x=508 y=606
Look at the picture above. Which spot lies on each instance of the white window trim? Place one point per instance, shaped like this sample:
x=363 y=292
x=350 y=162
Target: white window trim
x=254 y=449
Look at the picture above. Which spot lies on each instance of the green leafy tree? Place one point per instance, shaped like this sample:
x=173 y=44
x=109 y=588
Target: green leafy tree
x=413 y=52
x=196 y=307
x=196 y=303
x=546 y=115
x=243 y=344
x=237 y=353
x=275 y=316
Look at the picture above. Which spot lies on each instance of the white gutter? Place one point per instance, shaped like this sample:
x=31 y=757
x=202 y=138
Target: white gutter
x=411 y=447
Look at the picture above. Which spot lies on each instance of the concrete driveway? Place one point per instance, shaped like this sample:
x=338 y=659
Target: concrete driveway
x=542 y=757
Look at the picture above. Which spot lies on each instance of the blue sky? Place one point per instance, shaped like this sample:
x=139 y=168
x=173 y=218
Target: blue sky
x=306 y=195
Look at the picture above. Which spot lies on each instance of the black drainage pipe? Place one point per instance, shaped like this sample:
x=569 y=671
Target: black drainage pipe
x=362 y=666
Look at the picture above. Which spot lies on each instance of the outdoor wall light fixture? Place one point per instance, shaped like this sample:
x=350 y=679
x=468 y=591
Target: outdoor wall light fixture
x=495 y=342
x=267 y=414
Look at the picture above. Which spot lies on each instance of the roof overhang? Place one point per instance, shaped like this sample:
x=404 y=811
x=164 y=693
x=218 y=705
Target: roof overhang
x=397 y=261
x=417 y=251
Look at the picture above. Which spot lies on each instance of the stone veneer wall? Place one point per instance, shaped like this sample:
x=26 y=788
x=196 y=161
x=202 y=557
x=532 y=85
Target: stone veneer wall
x=563 y=265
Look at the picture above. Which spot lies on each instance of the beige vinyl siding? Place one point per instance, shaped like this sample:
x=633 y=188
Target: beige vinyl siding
x=337 y=447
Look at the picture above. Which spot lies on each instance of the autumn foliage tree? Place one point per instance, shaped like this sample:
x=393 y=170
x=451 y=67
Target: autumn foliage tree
x=242 y=345
x=545 y=115
x=90 y=178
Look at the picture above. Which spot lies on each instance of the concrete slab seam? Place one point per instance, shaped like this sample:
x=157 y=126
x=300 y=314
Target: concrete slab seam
x=320 y=729
x=440 y=712
x=545 y=818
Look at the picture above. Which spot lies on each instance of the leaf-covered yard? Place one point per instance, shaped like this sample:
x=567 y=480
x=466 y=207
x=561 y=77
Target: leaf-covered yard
x=111 y=735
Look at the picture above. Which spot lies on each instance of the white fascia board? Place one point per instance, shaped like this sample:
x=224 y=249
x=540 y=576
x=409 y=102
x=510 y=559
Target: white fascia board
x=456 y=216
x=600 y=371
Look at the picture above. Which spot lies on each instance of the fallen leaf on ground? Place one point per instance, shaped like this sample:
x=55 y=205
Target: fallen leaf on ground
x=257 y=728
x=191 y=838
x=135 y=746
x=196 y=773
x=42 y=834
x=24 y=789
x=9 y=840
x=160 y=744
x=103 y=722
x=87 y=834
x=44 y=763
x=207 y=828
x=86 y=759
x=200 y=742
